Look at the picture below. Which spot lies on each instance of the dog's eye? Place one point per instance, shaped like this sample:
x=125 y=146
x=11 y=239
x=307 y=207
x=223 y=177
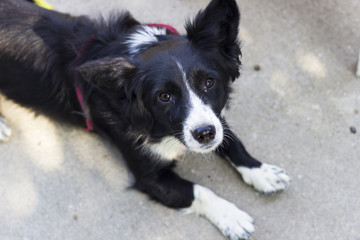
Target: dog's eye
x=209 y=83
x=165 y=97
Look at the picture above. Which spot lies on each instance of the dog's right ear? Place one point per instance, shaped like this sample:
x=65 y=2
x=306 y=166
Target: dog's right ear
x=108 y=73
x=216 y=28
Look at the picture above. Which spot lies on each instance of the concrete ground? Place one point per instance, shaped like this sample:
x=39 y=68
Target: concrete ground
x=294 y=111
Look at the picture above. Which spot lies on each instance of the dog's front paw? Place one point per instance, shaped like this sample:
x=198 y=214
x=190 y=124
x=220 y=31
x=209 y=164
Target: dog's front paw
x=267 y=179
x=5 y=131
x=231 y=221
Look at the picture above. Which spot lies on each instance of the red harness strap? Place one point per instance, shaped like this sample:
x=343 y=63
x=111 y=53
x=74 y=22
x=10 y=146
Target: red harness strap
x=80 y=97
x=171 y=29
x=77 y=85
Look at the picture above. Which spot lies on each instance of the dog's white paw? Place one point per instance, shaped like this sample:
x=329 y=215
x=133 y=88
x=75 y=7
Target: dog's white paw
x=231 y=221
x=5 y=131
x=267 y=179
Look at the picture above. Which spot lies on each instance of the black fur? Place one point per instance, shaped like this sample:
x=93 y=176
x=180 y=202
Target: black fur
x=44 y=53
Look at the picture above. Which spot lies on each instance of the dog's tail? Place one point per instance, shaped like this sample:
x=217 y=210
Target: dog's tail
x=42 y=3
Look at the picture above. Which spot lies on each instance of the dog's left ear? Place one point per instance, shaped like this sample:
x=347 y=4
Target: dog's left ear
x=108 y=73
x=216 y=28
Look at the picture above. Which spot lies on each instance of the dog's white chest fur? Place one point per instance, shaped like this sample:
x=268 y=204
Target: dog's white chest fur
x=168 y=148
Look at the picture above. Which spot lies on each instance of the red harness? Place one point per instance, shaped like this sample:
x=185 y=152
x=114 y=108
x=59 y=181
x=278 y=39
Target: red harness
x=171 y=29
x=78 y=86
x=80 y=97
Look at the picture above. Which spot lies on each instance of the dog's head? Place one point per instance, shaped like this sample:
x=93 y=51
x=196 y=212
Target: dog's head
x=176 y=86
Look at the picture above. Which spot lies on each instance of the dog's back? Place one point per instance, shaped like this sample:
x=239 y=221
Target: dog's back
x=17 y=38
x=31 y=71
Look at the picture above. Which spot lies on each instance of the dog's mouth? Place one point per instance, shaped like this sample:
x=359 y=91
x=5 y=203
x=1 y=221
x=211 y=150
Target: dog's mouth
x=204 y=148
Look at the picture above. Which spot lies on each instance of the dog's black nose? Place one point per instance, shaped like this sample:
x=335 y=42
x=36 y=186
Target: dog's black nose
x=204 y=134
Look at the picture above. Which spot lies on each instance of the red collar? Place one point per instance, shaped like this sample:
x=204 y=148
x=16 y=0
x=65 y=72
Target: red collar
x=77 y=85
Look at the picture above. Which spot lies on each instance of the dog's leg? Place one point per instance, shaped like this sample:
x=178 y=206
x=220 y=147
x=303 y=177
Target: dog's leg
x=265 y=178
x=231 y=221
x=156 y=178
x=171 y=190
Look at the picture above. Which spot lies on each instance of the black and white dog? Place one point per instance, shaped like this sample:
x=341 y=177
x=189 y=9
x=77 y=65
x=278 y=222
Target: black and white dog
x=153 y=93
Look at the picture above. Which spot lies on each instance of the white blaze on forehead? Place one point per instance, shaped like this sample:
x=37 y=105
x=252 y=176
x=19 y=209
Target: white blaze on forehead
x=143 y=36
x=183 y=73
x=199 y=115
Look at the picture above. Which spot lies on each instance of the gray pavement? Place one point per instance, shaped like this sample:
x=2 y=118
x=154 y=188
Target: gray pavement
x=62 y=183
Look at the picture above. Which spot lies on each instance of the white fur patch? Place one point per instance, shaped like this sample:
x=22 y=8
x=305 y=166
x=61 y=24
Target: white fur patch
x=267 y=179
x=231 y=221
x=169 y=148
x=199 y=115
x=143 y=36
x=5 y=131
x=223 y=112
